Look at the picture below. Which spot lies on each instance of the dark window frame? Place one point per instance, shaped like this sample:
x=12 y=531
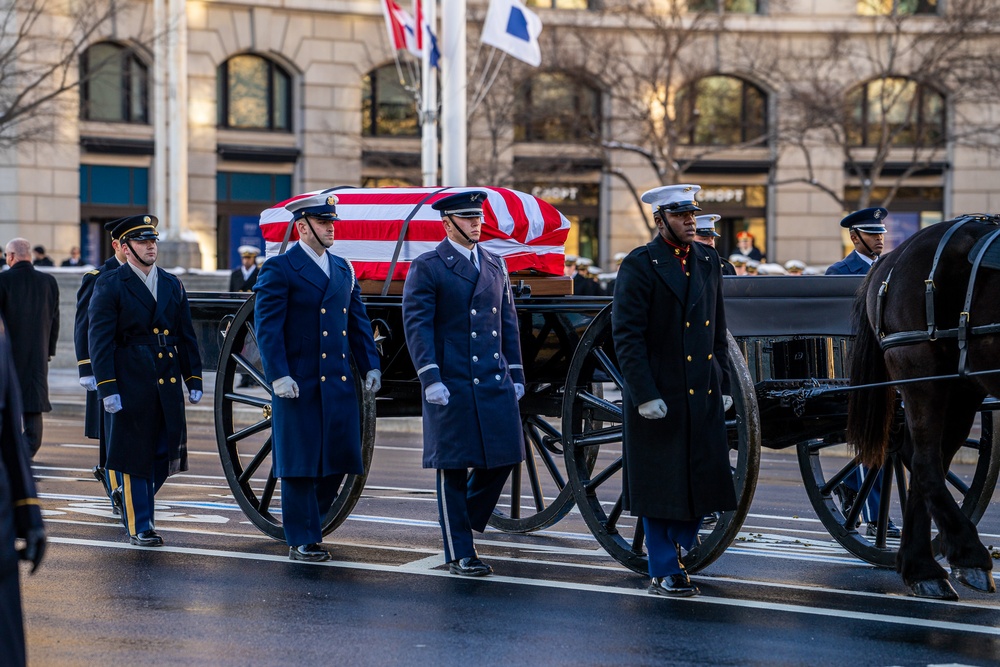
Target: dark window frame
x=592 y=5
x=223 y=93
x=128 y=59
x=760 y=7
x=918 y=128
x=526 y=124
x=690 y=102
x=920 y=8
x=372 y=128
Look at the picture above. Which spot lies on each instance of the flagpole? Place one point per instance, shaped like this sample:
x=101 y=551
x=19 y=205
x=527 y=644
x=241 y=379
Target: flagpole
x=453 y=91
x=428 y=90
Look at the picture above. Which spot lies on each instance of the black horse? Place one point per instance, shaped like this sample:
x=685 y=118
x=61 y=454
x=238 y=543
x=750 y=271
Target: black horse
x=901 y=336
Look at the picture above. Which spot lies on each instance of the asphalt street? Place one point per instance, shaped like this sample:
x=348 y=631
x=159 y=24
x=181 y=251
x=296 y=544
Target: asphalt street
x=222 y=593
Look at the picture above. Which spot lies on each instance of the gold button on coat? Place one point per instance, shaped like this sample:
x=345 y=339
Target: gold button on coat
x=322 y=311
x=173 y=380
x=706 y=323
x=345 y=311
x=343 y=378
x=326 y=333
x=710 y=356
x=322 y=378
x=343 y=333
x=687 y=324
x=689 y=357
x=324 y=355
x=155 y=330
x=166 y=332
x=691 y=391
x=161 y=380
x=159 y=356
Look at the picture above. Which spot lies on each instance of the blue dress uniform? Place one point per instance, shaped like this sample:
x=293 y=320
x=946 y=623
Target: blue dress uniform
x=143 y=350
x=871 y=221
x=20 y=513
x=308 y=327
x=461 y=330
x=94 y=424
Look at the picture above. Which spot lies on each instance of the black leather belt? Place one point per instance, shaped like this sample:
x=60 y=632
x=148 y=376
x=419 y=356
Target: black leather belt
x=158 y=340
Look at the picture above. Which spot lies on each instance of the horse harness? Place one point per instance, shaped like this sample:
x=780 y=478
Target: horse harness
x=985 y=248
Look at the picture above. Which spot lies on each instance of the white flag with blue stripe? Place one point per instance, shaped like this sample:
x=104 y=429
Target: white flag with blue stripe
x=514 y=29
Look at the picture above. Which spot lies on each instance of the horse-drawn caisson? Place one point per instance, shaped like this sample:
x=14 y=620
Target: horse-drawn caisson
x=792 y=342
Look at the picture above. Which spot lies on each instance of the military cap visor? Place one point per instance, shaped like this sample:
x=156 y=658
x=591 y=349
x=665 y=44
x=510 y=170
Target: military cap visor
x=321 y=206
x=142 y=227
x=461 y=205
x=868 y=220
x=706 y=231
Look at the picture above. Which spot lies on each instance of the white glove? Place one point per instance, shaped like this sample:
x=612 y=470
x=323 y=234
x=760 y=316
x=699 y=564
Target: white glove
x=655 y=409
x=113 y=403
x=194 y=395
x=373 y=380
x=727 y=402
x=437 y=394
x=519 y=390
x=89 y=382
x=285 y=387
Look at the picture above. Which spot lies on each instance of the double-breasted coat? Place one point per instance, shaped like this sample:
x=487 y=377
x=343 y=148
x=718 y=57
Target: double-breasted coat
x=143 y=350
x=461 y=329
x=81 y=341
x=670 y=337
x=29 y=301
x=308 y=327
x=19 y=508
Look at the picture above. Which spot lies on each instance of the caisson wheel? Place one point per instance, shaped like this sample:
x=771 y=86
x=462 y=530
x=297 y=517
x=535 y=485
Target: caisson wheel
x=592 y=431
x=826 y=465
x=243 y=432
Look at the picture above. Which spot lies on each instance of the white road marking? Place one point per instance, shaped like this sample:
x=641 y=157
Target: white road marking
x=422 y=570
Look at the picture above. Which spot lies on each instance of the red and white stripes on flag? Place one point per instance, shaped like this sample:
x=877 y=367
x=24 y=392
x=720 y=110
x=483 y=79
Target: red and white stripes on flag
x=401 y=28
x=527 y=232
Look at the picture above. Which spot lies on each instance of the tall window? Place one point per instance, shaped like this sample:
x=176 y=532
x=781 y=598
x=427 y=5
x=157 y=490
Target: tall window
x=721 y=111
x=910 y=114
x=557 y=107
x=564 y=4
x=725 y=6
x=254 y=94
x=388 y=105
x=113 y=85
x=897 y=7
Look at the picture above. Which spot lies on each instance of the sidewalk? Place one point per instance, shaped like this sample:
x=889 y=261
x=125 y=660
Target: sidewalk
x=69 y=400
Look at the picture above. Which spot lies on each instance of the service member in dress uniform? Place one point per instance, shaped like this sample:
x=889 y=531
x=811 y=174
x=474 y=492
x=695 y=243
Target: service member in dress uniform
x=461 y=332
x=143 y=349
x=867 y=230
x=706 y=234
x=94 y=423
x=669 y=328
x=244 y=277
x=20 y=513
x=310 y=321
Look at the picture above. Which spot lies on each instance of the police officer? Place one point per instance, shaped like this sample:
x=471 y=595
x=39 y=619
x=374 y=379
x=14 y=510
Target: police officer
x=94 y=422
x=867 y=231
x=461 y=332
x=20 y=513
x=706 y=234
x=142 y=349
x=669 y=329
x=244 y=277
x=310 y=322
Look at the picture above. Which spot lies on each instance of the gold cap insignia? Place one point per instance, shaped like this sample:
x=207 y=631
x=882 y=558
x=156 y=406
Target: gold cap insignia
x=332 y=200
x=688 y=189
x=146 y=219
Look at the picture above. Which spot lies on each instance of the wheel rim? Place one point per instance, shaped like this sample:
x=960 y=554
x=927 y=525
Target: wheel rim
x=823 y=466
x=592 y=428
x=243 y=433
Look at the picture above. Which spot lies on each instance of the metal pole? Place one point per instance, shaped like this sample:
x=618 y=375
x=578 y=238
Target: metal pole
x=453 y=92
x=177 y=85
x=428 y=90
x=160 y=109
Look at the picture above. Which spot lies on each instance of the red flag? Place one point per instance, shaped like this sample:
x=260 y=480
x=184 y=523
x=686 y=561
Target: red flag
x=527 y=232
x=418 y=20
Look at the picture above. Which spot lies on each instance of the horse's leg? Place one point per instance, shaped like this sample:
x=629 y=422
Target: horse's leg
x=943 y=417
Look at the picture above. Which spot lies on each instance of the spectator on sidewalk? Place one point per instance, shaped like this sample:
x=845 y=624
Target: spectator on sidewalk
x=29 y=302
x=41 y=259
x=74 y=258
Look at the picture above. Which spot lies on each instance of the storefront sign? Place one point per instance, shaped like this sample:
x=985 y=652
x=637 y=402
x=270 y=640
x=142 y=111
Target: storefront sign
x=722 y=195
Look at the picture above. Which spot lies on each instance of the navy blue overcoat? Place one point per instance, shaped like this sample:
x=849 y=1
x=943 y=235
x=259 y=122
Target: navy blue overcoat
x=461 y=329
x=308 y=326
x=143 y=349
x=852 y=265
x=94 y=421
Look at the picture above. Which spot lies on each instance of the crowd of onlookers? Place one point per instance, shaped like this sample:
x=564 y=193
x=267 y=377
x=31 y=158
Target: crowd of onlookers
x=40 y=258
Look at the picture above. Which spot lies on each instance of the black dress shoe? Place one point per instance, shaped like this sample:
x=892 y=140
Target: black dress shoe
x=673 y=585
x=892 y=531
x=116 y=502
x=310 y=553
x=469 y=567
x=147 y=538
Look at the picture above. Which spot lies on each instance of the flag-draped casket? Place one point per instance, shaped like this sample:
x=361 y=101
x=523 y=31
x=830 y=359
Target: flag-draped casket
x=526 y=231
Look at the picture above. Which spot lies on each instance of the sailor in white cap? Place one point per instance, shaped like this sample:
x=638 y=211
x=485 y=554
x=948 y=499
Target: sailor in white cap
x=244 y=277
x=739 y=262
x=706 y=234
x=795 y=267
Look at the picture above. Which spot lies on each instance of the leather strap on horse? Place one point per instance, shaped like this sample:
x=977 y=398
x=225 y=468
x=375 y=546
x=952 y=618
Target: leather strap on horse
x=963 y=318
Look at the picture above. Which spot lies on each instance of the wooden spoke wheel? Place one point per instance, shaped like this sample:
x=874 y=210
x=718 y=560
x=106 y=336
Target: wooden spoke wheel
x=592 y=436
x=243 y=432
x=825 y=467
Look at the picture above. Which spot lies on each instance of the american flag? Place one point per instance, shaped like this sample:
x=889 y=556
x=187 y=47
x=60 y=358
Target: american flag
x=527 y=232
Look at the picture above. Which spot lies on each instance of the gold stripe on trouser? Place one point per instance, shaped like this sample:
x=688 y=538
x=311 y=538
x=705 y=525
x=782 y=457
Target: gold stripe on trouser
x=127 y=502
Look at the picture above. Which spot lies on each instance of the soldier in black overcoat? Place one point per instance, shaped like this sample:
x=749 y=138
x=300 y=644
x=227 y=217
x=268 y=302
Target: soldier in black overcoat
x=29 y=301
x=94 y=418
x=143 y=349
x=244 y=277
x=20 y=513
x=462 y=335
x=669 y=329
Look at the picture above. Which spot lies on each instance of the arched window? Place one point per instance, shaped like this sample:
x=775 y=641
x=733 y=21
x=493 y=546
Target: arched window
x=721 y=111
x=909 y=114
x=254 y=94
x=388 y=105
x=113 y=85
x=557 y=107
